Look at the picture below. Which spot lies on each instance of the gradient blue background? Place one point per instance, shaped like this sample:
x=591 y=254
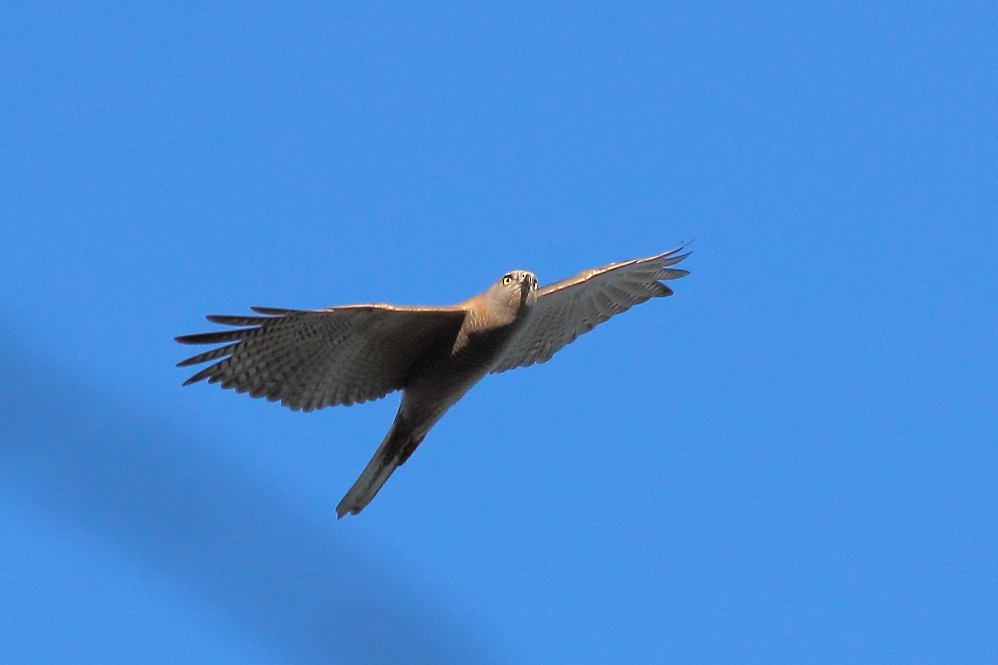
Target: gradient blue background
x=794 y=459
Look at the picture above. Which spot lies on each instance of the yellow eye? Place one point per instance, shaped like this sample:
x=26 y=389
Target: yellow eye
x=507 y=280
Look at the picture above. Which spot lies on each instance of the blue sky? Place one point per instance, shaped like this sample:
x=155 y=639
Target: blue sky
x=791 y=460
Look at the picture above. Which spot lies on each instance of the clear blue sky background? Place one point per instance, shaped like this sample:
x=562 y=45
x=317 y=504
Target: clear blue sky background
x=794 y=459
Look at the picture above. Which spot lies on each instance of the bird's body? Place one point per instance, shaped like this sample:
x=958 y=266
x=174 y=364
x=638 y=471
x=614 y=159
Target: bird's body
x=444 y=373
x=308 y=359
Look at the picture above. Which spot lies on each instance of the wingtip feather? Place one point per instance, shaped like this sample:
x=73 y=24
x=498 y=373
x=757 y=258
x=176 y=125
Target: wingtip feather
x=235 y=320
x=672 y=273
x=274 y=311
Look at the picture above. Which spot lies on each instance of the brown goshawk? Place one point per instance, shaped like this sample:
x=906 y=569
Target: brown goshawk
x=308 y=359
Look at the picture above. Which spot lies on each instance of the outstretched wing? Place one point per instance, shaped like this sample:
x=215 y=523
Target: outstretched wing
x=309 y=359
x=566 y=309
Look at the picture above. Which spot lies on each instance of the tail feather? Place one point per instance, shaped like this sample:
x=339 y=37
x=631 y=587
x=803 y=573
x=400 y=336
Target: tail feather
x=391 y=454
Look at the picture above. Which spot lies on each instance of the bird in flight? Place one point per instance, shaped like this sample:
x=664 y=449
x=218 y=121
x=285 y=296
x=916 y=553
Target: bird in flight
x=309 y=359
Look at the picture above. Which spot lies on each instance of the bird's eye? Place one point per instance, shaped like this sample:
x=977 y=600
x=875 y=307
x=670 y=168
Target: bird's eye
x=507 y=280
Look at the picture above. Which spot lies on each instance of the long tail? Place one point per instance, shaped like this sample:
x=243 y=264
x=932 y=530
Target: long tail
x=391 y=454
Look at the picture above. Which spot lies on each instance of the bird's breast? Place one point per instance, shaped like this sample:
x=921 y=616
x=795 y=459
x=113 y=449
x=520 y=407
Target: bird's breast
x=455 y=366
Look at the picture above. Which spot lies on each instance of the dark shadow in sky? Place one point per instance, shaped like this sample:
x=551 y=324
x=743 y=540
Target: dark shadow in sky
x=163 y=497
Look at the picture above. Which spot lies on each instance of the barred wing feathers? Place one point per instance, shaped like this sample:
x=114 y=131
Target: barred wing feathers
x=309 y=359
x=566 y=309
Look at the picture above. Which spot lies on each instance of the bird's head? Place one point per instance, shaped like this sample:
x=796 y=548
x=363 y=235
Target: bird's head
x=513 y=291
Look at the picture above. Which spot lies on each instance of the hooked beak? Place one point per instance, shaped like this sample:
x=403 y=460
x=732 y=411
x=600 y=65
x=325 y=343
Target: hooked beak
x=529 y=285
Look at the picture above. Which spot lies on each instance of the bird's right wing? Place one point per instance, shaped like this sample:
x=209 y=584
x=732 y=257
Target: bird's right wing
x=566 y=309
x=308 y=359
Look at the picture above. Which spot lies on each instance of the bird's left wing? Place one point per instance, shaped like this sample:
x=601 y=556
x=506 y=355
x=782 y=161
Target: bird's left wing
x=308 y=359
x=566 y=309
